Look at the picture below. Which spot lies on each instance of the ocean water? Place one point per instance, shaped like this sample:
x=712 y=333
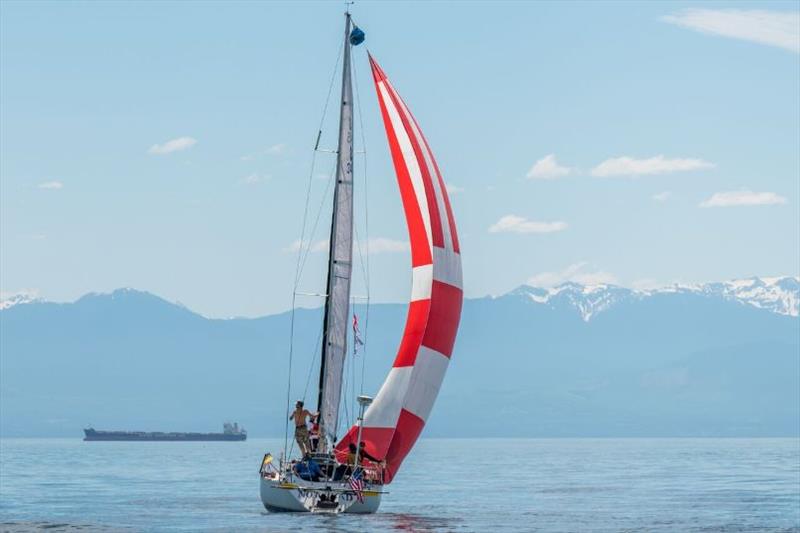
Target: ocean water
x=445 y=485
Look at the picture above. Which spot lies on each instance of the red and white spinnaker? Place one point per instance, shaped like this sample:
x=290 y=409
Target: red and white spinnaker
x=402 y=406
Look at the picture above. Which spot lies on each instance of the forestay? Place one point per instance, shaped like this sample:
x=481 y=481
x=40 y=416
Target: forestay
x=399 y=412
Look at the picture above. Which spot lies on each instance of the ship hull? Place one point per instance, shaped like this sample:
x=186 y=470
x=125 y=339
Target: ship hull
x=125 y=436
x=281 y=497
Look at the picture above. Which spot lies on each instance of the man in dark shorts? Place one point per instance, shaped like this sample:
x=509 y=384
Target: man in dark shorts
x=299 y=416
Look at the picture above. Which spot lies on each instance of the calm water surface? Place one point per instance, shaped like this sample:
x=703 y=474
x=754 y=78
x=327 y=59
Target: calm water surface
x=445 y=485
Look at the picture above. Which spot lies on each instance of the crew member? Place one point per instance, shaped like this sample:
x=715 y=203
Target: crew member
x=299 y=416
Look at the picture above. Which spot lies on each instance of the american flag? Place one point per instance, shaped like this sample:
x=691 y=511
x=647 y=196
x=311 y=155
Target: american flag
x=357 y=484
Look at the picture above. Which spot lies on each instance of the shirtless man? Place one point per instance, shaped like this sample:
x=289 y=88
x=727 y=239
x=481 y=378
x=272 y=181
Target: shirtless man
x=299 y=416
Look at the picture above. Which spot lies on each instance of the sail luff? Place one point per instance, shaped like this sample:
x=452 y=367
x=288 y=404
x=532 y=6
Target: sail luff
x=337 y=303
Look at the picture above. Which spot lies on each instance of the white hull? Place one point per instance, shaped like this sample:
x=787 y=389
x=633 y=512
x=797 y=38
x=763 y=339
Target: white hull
x=283 y=496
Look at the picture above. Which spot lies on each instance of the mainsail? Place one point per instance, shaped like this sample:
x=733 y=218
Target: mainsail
x=399 y=412
x=337 y=303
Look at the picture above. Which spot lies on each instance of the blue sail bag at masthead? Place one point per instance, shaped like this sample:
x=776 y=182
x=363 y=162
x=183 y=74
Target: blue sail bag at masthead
x=356 y=36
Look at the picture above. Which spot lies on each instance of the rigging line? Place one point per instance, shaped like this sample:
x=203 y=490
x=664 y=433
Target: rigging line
x=307 y=248
x=298 y=270
x=330 y=88
x=313 y=360
x=365 y=264
x=314 y=156
x=350 y=405
x=289 y=373
x=366 y=223
x=353 y=372
x=297 y=275
x=348 y=410
x=353 y=379
x=346 y=403
x=351 y=369
x=361 y=256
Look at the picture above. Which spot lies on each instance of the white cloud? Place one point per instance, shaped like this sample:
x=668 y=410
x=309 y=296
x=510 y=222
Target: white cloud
x=576 y=272
x=628 y=166
x=53 y=185
x=174 y=145
x=254 y=178
x=662 y=196
x=316 y=246
x=742 y=198
x=646 y=284
x=380 y=245
x=547 y=168
x=773 y=28
x=277 y=149
x=518 y=224
x=453 y=189
x=319 y=246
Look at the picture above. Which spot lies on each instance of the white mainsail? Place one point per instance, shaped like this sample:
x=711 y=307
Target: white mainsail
x=337 y=303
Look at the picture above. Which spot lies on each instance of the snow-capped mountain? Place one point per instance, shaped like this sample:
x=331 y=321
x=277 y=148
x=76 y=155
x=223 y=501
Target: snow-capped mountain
x=588 y=300
x=17 y=299
x=778 y=295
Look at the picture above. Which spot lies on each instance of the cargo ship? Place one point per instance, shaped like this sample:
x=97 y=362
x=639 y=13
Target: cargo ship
x=230 y=432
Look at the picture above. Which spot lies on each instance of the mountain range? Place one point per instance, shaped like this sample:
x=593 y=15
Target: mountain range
x=779 y=295
x=717 y=359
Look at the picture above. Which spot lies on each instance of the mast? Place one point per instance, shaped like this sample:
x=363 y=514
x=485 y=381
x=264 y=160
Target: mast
x=337 y=302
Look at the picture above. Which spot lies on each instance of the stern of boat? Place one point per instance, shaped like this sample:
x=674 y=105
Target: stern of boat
x=281 y=495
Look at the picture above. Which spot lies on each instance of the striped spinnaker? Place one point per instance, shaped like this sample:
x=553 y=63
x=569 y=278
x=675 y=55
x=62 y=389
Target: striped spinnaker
x=402 y=406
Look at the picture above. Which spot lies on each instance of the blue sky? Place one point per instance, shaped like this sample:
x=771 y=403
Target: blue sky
x=640 y=144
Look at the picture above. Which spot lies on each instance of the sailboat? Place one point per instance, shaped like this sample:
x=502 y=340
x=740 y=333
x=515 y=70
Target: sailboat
x=388 y=425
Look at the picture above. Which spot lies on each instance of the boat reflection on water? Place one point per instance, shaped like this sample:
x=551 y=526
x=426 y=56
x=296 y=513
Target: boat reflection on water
x=412 y=522
x=348 y=523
